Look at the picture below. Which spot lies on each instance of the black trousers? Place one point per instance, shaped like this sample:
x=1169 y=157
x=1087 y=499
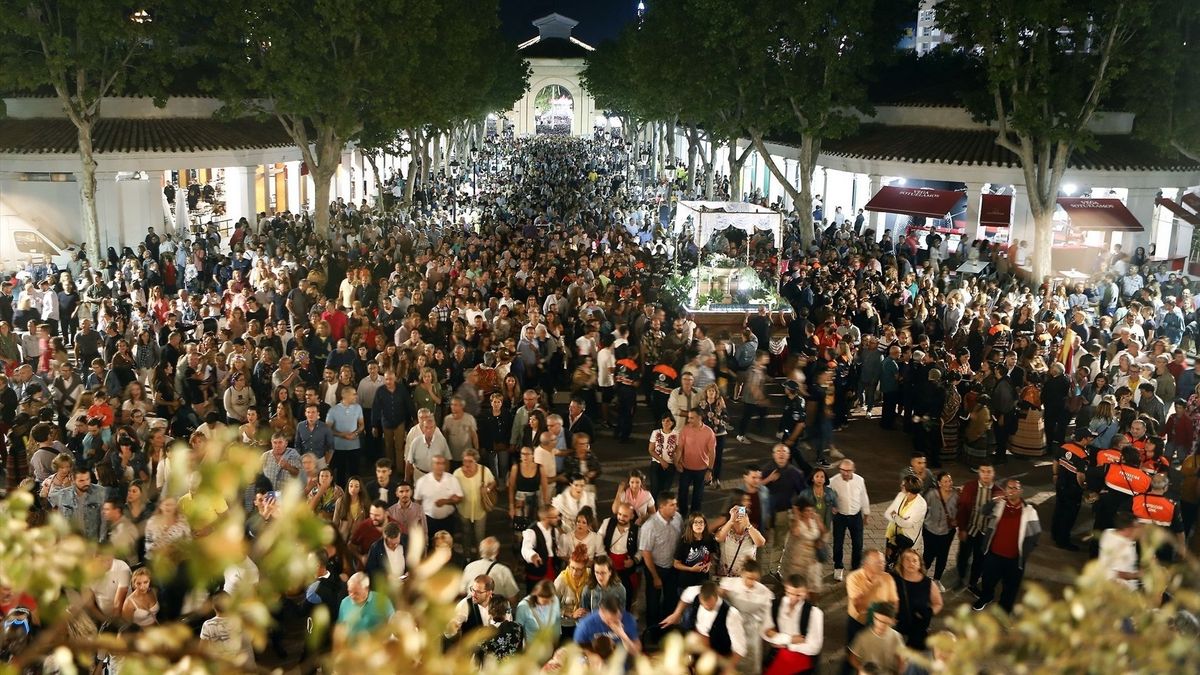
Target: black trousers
x=891 y=402
x=842 y=523
x=626 y=401
x=1004 y=571
x=937 y=551
x=1066 y=511
x=970 y=558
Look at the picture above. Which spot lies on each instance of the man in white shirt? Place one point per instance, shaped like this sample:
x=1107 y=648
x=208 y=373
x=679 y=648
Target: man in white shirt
x=110 y=590
x=727 y=638
x=425 y=442
x=472 y=611
x=438 y=492
x=545 y=455
x=853 y=509
x=489 y=565
x=538 y=546
x=1118 y=550
x=794 y=627
x=606 y=360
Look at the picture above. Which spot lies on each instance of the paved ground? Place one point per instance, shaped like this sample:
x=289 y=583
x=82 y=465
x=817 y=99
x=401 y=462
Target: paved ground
x=880 y=456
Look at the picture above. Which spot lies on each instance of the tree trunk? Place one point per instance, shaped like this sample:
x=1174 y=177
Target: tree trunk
x=414 y=165
x=671 y=130
x=810 y=148
x=371 y=159
x=436 y=156
x=710 y=168
x=1043 y=243
x=736 y=162
x=693 y=137
x=87 y=195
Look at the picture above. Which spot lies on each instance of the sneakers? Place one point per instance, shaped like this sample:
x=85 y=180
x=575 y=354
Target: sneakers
x=838 y=575
x=743 y=440
x=939 y=585
x=980 y=605
x=834 y=453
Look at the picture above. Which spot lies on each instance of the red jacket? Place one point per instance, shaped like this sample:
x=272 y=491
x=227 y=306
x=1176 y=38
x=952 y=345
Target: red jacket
x=966 y=502
x=1179 y=430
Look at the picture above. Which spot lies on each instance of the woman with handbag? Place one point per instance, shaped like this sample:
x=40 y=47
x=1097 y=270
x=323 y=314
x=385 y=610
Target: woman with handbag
x=939 y=528
x=804 y=547
x=479 y=497
x=904 y=518
x=920 y=600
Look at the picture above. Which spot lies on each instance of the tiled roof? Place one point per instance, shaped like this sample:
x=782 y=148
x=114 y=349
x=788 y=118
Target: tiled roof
x=973 y=147
x=115 y=135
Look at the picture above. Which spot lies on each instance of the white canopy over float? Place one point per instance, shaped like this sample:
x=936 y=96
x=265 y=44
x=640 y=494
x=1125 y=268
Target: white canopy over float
x=710 y=217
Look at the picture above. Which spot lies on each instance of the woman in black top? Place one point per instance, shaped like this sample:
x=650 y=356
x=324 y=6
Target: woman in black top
x=920 y=600
x=697 y=554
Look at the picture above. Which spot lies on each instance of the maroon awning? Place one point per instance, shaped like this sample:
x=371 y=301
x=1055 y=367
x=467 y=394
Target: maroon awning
x=996 y=211
x=1192 y=201
x=1183 y=214
x=1109 y=215
x=917 y=201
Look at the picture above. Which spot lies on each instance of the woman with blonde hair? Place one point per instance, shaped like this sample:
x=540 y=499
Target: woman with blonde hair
x=166 y=528
x=428 y=392
x=141 y=605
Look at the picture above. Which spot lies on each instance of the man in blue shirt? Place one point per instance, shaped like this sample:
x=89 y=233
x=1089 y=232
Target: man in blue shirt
x=346 y=422
x=610 y=620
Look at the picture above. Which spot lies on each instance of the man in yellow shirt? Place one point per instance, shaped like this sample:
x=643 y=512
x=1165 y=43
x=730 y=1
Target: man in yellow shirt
x=866 y=585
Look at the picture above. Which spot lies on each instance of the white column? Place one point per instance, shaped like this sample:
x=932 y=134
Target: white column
x=1022 y=217
x=293 y=183
x=1140 y=203
x=240 y=193
x=108 y=211
x=874 y=182
x=974 y=204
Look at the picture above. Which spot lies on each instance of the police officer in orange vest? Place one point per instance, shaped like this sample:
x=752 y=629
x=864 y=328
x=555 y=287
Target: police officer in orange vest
x=1117 y=484
x=1070 y=476
x=1156 y=508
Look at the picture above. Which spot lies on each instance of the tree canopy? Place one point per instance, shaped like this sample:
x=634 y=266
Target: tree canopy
x=328 y=70
x=82 y=52
x=1050 y=66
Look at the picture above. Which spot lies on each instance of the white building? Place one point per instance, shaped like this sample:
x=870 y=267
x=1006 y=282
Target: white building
x=252 y=165
x=929 y=34
x=555 y=101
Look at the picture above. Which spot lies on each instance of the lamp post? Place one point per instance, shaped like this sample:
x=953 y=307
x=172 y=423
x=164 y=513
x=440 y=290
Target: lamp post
x=454 y=190
x=474 y=171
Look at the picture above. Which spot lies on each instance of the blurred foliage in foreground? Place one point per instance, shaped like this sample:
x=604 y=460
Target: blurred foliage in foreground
x=1098 y=626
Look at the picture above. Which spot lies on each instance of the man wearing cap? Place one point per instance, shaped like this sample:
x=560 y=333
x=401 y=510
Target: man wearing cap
x=1069 y=480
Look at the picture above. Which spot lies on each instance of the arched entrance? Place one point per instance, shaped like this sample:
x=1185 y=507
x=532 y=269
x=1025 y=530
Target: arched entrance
x=554 y=110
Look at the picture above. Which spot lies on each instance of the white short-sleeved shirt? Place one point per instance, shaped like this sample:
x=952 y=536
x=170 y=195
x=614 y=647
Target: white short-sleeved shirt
x=429 y=490
x=106 y=588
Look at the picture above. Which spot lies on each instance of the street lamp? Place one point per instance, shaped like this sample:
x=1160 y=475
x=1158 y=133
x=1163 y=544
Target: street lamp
x=474 y=171
x=454 y=190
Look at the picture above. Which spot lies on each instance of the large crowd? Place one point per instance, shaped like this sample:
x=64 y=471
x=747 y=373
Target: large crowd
x=444 y=371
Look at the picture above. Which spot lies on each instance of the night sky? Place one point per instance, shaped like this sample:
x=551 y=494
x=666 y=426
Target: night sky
x=599 y=20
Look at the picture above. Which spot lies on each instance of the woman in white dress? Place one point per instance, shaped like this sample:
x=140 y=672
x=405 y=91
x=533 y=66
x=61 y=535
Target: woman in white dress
x=753 y=600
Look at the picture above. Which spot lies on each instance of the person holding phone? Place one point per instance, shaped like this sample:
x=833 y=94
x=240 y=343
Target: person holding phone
x=697 y=555
x=738 y=538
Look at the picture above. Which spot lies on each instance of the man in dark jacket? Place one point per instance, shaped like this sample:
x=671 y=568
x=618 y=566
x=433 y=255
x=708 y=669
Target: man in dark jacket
x=1054 y=400
x=327 y=591
x=391 y=413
